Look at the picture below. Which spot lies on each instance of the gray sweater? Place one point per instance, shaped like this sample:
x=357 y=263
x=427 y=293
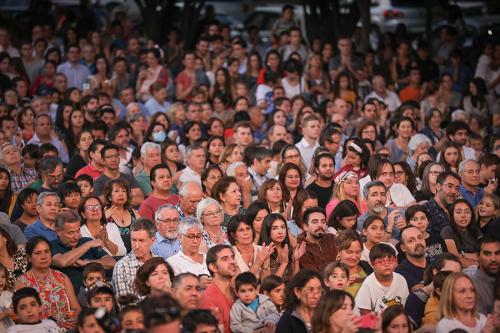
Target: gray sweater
x=245 y=320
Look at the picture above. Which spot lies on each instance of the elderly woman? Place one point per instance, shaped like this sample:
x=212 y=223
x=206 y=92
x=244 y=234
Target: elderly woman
x=209 y=213
x=228 y=193
x=419 y=143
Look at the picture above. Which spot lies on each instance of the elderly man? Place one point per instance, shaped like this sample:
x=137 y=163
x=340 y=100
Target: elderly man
x=276 y=133
x=43 y=134
x=10 y=157
x=47 y=205
x=190 y=259
x=195 y=161
x=71 y=252
x=150 y=156
x=161 y=180
x=190 y=195
x=51 y=170
x=469 y=171
x=167 y=241
x=380 y=92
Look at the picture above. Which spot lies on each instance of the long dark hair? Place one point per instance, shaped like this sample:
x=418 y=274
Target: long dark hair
x=254 y=209
x=9 y=244
x=282 y=175
x=411 y=181
x=391 y=313
x=265 y=233
x=480 y=99
x=472 y=228
x=299 y=281
x=7 y=197
x=345 y=208
x=328 y=304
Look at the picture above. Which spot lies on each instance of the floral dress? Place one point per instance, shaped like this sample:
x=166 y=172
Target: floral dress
x=52 y=290
x=20 y=267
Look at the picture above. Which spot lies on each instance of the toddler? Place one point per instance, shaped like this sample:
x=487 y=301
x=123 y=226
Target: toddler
x=336 y=276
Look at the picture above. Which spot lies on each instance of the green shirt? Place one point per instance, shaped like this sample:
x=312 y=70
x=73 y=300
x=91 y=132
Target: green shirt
x=144 y=183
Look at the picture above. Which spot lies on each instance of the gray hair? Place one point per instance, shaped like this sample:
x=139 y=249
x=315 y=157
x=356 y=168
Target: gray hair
x=184 y=190
x=6 y=144
x=66 y=216
x=41 y=197
x=458 y=114
x=203 y=204
x=417 y=140
x=188 y=223
x=461 y=166
x=373 y=183
x=161 y=208
x=43 y=115
x=193 y=147
x=145 y=225
x=149 y=145
x=231 y=169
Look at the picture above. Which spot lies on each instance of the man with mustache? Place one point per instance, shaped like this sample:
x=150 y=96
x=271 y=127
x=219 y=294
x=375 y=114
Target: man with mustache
x=318 y=246
x=484 y=275
x=412 y=268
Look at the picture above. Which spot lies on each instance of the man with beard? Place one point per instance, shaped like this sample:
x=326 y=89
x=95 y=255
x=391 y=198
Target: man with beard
x=218 y=296
x=51 y=170
x=457 y=131
x=324 y=164
x=90 y=106
x=484 y=275
x=470 y=171
x=412 y=268
x=318 y=246
x=375 y=195
x=447 y=191
x=167 y=241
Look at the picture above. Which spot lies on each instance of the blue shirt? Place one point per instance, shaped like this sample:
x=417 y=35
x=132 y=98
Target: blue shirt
x=75 y=74
x=39 y=229
x=472 y=198
x=395 y=229
x=438 y=218
x=165 y=247
x=153 y=106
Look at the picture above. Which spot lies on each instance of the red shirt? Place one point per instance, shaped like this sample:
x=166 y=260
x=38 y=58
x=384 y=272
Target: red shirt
x=148 y=207
x=89 y=170
x=213 y=297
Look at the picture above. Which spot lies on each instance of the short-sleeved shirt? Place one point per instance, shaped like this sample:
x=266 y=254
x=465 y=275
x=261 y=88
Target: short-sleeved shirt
x=103 y=179
x=75 y=274
x=324 y=193
x=413 y=274
x=466 y=243
x=39 y=229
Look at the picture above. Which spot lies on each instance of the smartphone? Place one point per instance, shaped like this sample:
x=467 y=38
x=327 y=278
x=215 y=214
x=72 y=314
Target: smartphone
x=86 y=86
x=368 y=321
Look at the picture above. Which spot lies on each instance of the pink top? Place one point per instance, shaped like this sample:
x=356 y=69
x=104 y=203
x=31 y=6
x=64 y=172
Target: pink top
x=149 y=206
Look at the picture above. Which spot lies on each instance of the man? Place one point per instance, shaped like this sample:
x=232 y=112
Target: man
x=142 y=234
x=8 y=126
x=108 y=115
x=190 y=195
x=218 y=295
x=469 y=171
x=119 y=135
x=339 y=106
x=276 y=133
x=261 y=162
x=10 y=157
x=71 y=252
x=487 y=177
x=75 y=72
x=324 y=165
x=368 y=113
x=32 y=65
x=484 y=275
x=195 y=163
x=90 y=107
x=317 y=245
x=96 y=164
x=47 y=205
x=458 y=132
x=238 y=51
x=60 y=83
x=295 y=45
x=331 y=138
x=310 y=131
x=186 y=289
x=150 y=157
x=412 y=268
x=381 y=93
x=243 y=136
x=51 y=170
x=447 y=191
x=167 y=241
x=194 y=112
x=111 y=158
x=346 y=61
x=414 y=90
x=161 y=180
x=375 y=195
x=257 y=121
x=43 y=134
x=202 y=50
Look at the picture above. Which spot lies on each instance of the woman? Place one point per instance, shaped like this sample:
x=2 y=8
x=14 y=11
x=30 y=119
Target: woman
x=293 y=83
x=209 y=213
x=215 y=127
x=291 y=180
x=355 y=158
x=249 y=256
x=343 y=217
x=373 y=231
x=395 y=320
x=271 y=192
x=334 y=313
x=227 y=192
x=461 y=236
x=399 y=145
x=344 y=88
x=12 y=258
x=317 y=78
x=367 y=129
x=284 y=262
x=231 y=153
x=350 y=246
x=404 y=175
x=26 y=121
x=95 y=227
x=305 y=199
x=170 y=155
x=64 y=109
x=291 y=154
x=7 y=196
x=419 y=144
x=450 y=156
x=487 y=215
x=153 y=73
x=87 y=322
x=346 y=188
x=45 y=81
x=192 y=133
x=101 y=80
x=458 y=305
x=76 y=123
x=210 y=175
x=272 y=64
x=154 y=278
x=302 y=296
x=255 y=215
x=156 y=133
x=475 y=101
x=222 y=84
x=429 y=181
x=254 y=62
x=400 y=65
x=81 y=157
x=55 y=289
x=432 y=129
x=158 y=100
x=277 y=117
x=215 y=146
x=118 y=211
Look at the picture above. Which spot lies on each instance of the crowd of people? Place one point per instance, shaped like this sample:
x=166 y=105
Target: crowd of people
x=296 y=186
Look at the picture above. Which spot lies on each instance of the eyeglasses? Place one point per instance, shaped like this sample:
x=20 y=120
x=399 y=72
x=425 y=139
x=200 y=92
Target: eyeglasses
x=55 y=177
x=435 y=173
x=168 y=221
x=384 y=261
x=399 y=173
x=214 y=214
x=193 y=237
x=93 y=207
x=112 y=156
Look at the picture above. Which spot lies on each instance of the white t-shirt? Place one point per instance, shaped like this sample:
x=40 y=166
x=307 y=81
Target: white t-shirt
x=46 y=326
x=445 y=325
x=181 y=263
x=365 y=255
x=375 y=297
x=290 y=90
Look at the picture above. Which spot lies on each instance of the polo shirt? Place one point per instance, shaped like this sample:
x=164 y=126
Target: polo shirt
x=39 y=229
x=472 y=198
x=75 y=274
x=164 y=247
x=181 y=263
x=189 y=175
x=89 y=170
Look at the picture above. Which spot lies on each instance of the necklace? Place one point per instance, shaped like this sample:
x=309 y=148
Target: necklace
x=216 y=238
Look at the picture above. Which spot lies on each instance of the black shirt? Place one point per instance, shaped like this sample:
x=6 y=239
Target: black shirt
x=324 y=193
x=413 y=274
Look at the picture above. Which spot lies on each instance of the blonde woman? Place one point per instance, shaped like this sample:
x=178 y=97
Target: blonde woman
x=231 y=153
x=346 y=188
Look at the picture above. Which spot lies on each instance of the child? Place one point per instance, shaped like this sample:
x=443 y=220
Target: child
x=431 y=315
x=273 y=287
x=132 y=318
x=92 y=273
x=5 y=300
x=251 y=311
x=71 y=195
x=336 y=276
x=26 y=303
x=30 y=156
x=101 y=295
x=87 y=321
x=86 y=184
x=197 y=321
x=383 y=287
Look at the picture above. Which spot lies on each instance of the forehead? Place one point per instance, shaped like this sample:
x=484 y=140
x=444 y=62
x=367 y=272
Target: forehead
x=376 y=189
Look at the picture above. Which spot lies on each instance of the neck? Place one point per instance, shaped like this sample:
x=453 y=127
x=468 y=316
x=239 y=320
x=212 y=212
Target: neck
x=93 y=223
x=470 y=188
x=145 y=258
x=309 y=140
x=40 y=271
x=419 y=262
x=230 y=209
x=27 y=218
x=223 y=284
x=112 y=173
x=274 y=206
x=244 y=247
x=15 y=167
x=146 y=170
x=324 y=182
x=384 y=279
x=49 y=224
x=161 y=194
x=212 y=229
x=311 y=239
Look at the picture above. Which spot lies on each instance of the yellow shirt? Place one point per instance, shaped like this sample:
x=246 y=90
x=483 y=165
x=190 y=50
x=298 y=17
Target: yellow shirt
x=431 y=311
x=354 y=287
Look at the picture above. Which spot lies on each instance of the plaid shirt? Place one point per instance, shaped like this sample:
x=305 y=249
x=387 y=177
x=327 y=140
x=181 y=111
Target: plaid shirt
x=124 y=274
x=22 y=180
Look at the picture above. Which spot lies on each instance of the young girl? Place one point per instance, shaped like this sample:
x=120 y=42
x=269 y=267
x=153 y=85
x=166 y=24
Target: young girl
x=450 y=156
x=336 y=276
x=273 y=287
x=373 y=231
x=5 y=300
